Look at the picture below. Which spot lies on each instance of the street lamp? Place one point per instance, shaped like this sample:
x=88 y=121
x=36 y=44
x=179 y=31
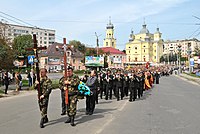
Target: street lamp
x=189 y=51
x=179 y=53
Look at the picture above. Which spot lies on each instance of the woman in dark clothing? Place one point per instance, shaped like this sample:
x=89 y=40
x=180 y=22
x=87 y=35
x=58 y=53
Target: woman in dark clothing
x=6 y=82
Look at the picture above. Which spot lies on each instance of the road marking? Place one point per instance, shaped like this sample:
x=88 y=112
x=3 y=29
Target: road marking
x=108 y=122
x=123 y=106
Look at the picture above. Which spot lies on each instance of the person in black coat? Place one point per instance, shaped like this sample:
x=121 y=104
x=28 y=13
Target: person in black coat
x=157 y=76
x=92 y=83
x=133 y=85
x=6 y=81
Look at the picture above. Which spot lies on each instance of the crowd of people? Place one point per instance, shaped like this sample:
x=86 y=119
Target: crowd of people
x=106 y=84
x=7 y=78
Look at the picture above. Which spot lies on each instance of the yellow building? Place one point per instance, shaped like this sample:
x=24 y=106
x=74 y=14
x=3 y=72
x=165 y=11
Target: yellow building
x=144 y=47
x=109 y=41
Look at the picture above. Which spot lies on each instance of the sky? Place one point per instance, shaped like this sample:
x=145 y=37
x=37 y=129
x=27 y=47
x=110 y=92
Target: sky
x=80 y=19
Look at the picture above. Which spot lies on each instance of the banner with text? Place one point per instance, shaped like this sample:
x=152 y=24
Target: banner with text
x=94 y=61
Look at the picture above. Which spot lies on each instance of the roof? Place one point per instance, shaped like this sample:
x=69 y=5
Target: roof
x=112 y=50
x=144 y=29
x=56 y=50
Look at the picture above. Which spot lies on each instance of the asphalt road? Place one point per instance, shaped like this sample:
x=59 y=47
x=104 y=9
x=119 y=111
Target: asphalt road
x=172 y=107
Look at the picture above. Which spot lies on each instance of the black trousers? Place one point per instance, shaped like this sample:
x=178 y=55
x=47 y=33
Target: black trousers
x=90 y=102
x=126 y=91
x=133 y=93
x=157 y=81
x=139 y=92
x=6 y=89
x=108 y=90
x=121 y=92
x=63 y=101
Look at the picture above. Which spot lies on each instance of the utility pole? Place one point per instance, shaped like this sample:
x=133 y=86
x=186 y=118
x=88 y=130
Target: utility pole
x=97 y=46
x=97 y=43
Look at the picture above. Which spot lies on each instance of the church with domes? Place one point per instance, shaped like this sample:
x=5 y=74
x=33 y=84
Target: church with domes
x=144 y=47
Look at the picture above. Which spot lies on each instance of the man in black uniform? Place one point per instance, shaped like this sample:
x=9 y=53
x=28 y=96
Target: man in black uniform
x=133 y=86
x=108 y=82
x=119 y=85
x=157 y=75
x=126 y=84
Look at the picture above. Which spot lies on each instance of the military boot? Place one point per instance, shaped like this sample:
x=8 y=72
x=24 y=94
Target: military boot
x=72 y=121
x=42 y=123
x=46 y=119
x=68 y=120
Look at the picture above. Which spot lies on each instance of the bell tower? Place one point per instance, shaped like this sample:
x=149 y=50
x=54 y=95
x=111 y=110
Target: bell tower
x=109 y=41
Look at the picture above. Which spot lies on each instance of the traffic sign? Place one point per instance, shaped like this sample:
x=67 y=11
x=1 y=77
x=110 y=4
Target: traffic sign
x=31 y=59
x=191 y=62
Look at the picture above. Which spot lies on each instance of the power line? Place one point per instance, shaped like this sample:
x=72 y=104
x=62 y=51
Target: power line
x=17 y=19
x=60 y=37
x=84 y=21
x=10 y=20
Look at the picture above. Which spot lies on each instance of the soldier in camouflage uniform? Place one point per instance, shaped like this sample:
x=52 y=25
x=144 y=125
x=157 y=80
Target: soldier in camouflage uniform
x=71 y=83
x=61 y=86
x=45 y=87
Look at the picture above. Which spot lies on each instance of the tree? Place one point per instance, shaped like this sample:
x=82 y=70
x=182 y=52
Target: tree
x=6 y=55
x=78 y=45
x=197 y=51
x=21 y=43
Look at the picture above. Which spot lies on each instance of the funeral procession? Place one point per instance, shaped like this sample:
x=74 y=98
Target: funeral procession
x=100 y=67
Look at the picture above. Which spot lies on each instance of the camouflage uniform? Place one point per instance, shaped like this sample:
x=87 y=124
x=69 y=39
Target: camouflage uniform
x=72 y=96
x=45 y=87
x=61 y=86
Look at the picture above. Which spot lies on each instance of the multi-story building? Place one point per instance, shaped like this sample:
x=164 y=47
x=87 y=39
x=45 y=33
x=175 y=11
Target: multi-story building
x=45 y=37
x=144 y=47
x=115 y=57
x=53 y=58
x=185 y=46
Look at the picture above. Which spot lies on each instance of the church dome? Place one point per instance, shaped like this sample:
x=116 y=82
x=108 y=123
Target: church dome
x=144 y=29
x=110 y=26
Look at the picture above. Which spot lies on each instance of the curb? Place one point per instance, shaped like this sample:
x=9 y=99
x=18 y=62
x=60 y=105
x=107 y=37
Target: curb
x=190 y=80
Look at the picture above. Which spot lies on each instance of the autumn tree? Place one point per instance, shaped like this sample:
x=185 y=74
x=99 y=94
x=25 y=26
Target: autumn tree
x=6 y=55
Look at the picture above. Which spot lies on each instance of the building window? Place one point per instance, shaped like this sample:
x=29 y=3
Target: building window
x=106 y=43
x=45 y=42
x=144 y=59
x=129 y=47
x=45 y=34
x=74 y=61
x=135 y=58
x=154 y=57
x=112 y=44
x=45 y=38
x=136 y=52
x=135 y=48
x=144 y=50
x=129 y=52
x=143 y=46
x=68 y=53
x=79 y=67
x=154 y=50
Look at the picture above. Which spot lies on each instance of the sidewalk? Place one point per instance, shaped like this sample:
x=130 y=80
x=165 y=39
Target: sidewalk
x=190 y=78
x=11 y=90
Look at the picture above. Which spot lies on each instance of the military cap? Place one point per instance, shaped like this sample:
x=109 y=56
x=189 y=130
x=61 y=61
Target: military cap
x=69 y=67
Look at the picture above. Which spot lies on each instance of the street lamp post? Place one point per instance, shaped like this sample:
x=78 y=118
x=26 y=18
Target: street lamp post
x=179 y=53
